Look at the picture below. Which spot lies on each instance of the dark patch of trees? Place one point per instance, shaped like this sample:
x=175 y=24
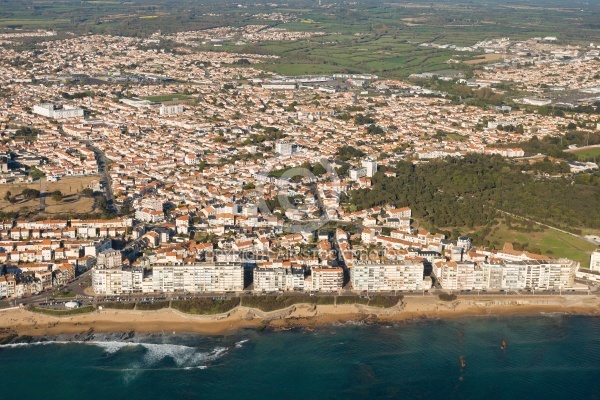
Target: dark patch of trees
x=463 y=193
x=375 y=130
x=346 y=153
x=30 y=193
x=77 y=95
x=360 y=119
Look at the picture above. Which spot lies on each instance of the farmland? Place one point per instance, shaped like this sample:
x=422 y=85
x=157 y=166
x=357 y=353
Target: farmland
x=367 y=37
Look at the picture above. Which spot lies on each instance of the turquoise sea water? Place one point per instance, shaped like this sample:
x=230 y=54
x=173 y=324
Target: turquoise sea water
x=547 y=357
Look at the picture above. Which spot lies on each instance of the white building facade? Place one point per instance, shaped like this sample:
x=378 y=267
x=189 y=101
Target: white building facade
x=595 y=260
x=374 y=276
x=198 y=278
x=48 y=110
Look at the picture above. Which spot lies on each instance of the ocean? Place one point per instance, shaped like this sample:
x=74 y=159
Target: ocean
x=547 y=357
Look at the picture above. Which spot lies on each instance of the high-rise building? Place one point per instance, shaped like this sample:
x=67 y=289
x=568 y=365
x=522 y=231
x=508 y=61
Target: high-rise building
x=595 y=260
x=278 y=279
x=109 y=258
x=48 y=110
x=375 y=276
x=283 y=147
x=371 y=167
x=200 y=277
x=170 y=109
x=327 y=279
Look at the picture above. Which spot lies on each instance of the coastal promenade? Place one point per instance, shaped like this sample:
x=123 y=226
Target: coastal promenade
x=20 y=322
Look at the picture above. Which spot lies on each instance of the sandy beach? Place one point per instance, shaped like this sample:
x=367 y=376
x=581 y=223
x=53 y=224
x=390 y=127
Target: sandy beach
x=26 y=323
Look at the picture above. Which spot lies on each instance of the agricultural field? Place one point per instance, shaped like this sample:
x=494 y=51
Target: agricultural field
x=484 y=59
x=32 y=23
x=367 y=37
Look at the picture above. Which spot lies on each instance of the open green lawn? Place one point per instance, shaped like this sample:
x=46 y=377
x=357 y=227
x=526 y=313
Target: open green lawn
x=560 y=244
x=589 y=154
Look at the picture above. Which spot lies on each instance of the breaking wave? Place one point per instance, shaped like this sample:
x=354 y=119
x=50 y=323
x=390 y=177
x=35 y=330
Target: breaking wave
x=184 y=357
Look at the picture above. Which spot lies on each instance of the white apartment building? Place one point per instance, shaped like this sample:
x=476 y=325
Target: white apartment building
x=170 y=110
x=151 y=216
x=109 y=259
x=595 y=260
x=107 y=280
x=3 y=287
x=284 y=147
x=48 y=110
x=376 y=276
x=191 y=159
x=459 y=276
x=117 y=280
x=507 y=275
x=132 y=280
x=278 y=279
x=368 y=169
x=196 y=278
x=370 y=166
x=193 y=278
x=464 y=243
x=357 y=173
x=404 y=212
x=327 y=279
x=152 y=203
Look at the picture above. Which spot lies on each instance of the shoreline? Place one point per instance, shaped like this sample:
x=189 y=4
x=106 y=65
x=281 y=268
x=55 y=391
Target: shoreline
x=20 y=322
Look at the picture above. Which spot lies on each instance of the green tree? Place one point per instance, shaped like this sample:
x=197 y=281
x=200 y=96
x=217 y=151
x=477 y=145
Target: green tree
x=35 y=173
x=30 y=193
x=57 y=195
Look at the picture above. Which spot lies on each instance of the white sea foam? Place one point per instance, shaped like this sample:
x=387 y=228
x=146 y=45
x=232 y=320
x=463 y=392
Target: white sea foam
x=240 y=343
x=183 y=356
x=24 y=344
x=112 y=347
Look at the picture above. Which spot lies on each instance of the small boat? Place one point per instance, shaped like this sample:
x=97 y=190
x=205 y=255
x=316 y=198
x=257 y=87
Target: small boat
x=463 y=363
x=503 y=345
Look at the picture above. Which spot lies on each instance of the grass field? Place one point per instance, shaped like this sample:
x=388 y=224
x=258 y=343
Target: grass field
x=589 y=154
x=560 y=244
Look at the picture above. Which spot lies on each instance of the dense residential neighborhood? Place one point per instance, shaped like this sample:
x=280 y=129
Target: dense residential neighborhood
x=199 y=154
